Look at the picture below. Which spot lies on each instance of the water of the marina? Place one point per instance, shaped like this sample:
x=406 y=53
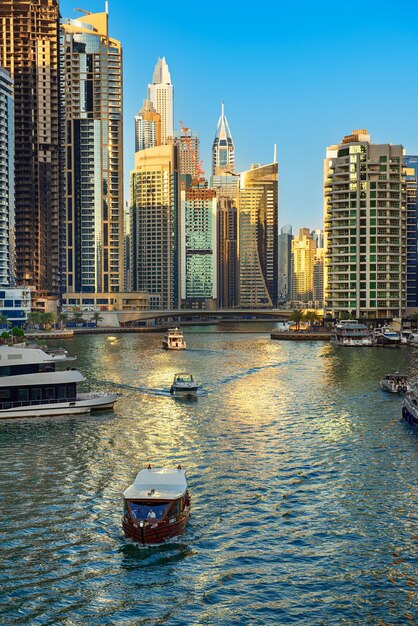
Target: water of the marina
x=303 y=482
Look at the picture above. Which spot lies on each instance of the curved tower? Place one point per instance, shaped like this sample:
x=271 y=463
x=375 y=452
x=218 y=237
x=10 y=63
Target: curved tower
x=223 y=149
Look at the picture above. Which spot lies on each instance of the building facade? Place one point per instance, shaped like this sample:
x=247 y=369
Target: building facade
x=223 y=149
x=7 y=264
x=198 y=246
x=188 y=151
x=29 y=35
x=154 y=230
x=284 y=254
x=411 y=179
x=257 y=236
x=303 y=259
x=365 y=228
x=147 y=127
x=93 y=159
x=161 y=94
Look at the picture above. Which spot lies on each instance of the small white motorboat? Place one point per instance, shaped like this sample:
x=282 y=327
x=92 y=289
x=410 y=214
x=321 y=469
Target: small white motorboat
x=395 y=383
x=184 y=386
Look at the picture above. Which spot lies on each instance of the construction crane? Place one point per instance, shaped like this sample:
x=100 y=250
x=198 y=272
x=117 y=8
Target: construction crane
x=83 y=11
x=198 y=166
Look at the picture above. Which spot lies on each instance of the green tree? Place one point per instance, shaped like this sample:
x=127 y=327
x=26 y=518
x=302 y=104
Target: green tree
x=311 y=317
x=62 y=320
x=344 y=315
x=46 y=320
x=4 y=337
x=33 y=319
x=297 y=316
x=3 y=320
x=96 y=317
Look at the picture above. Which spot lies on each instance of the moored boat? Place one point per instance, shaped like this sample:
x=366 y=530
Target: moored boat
x=156 y=505
x=174 y=339
x=184 y=386
x=410 y=407
x=351 y=333
x=31 y=385
x=386 y=336
x=395 y=383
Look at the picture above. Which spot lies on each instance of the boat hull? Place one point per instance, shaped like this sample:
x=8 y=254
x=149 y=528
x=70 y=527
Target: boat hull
x=394 y=389
x=146 y=533
x=96 y=402
x=410 y=411
x=167 y=346
x=43 y=411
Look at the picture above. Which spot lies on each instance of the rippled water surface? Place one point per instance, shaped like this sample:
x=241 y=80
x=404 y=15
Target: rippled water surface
x=303 y=483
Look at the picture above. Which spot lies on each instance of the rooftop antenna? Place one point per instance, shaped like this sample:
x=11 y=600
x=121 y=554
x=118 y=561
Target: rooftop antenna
x=107 y=7
x=275 y=154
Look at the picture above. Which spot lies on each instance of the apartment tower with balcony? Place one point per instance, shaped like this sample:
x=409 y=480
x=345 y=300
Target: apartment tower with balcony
x=365 y=228
x=29 y=36
x=7 y=266
x=93 y=218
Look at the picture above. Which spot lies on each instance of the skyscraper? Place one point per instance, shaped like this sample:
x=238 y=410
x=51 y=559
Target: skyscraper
x=154 y=232
x=93 y=160
x=29 y=32
x=411 y=178
x=257 y=236
x=365 y=228
x=303 y=258
x=7 y=267
x=161 y=94
x=284 y=254
x=147 y=127
x=188 y=150
x=198 y=245
x=223 y=150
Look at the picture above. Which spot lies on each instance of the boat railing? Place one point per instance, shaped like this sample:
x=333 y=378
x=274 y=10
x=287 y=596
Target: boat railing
x=23 y=403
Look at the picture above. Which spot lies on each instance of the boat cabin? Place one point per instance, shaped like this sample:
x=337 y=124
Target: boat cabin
x=156 y=505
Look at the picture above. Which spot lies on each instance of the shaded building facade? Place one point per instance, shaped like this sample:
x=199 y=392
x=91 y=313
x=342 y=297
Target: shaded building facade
x=411 y=180
x=7 y=265
x=284 y=246
x=93 y=160
x=29 y=36
x=257 y=236
x=198 y=246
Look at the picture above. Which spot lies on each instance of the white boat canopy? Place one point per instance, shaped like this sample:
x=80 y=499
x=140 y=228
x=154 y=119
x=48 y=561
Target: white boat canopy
x=158 y=483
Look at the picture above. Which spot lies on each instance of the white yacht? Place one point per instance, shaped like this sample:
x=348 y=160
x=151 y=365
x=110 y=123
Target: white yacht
x=386 y=336
x=174 y=340
x=32 y=386
x=410 y=407
x=351 y=333
x=184 y=386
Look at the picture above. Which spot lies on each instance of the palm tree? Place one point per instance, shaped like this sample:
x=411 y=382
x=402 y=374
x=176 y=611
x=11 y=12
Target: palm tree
x=311 y=317
x=78 y=317
x=33 y=319
x=46 y=320
x=62 y=319
x=4 y=322
x=414 y=317
x=297 y=316
x=96 y=317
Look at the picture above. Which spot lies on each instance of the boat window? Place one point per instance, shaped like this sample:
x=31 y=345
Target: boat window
x=36 y=393
x=175 y=509
x=145 y=511
x=49 y=393
x=4 y=394
x=5 y=371
x=61 y=392
x=23 y=395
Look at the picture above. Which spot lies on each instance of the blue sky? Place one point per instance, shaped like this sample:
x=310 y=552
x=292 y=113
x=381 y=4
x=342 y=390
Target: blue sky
x=298 y=74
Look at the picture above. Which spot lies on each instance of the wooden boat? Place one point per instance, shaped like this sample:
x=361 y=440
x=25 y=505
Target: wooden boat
x=184 y=386
x=156 y=505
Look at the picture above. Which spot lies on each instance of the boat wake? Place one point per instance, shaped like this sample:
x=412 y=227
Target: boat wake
x=146 y=390
x=253 y=370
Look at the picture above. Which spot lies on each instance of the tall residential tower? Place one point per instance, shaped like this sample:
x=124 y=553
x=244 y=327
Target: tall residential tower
x=93 y=159
x=29 y=35
x=7 y=267
x=365 y=228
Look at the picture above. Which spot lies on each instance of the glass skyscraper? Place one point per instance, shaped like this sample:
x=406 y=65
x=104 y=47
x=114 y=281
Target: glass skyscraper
x=161 y=94
x=257 y=236
x=284 y=253
x=223 y=149
x=93 y=217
